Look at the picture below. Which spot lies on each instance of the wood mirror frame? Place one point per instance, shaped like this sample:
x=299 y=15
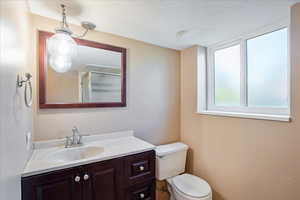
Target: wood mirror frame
x=43 y=36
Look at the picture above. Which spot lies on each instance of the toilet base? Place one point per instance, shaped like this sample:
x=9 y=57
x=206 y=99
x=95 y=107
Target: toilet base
x=170 y=191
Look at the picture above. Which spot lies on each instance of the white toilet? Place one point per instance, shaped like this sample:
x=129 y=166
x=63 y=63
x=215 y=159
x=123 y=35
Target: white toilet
x=170 y=164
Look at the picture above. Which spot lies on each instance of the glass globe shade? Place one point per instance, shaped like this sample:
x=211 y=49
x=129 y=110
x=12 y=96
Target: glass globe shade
x=62 y=44
x=61 y=49
x=60 y=64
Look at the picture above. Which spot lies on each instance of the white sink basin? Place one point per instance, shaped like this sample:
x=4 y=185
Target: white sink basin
x=75 y=153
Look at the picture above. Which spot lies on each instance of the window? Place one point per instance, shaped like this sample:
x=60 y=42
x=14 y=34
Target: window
x=227 y=64
x=267 y=70
x=248 y=78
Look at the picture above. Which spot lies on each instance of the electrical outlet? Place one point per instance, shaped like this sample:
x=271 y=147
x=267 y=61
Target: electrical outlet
x=28 y=140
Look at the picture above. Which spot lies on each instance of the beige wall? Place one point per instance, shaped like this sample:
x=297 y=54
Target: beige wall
x=62 y=88
x=243 y=159
x=153 y=95
x=15 y=118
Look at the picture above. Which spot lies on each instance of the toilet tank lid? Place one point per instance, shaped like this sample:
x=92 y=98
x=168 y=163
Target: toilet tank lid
x=166 y=149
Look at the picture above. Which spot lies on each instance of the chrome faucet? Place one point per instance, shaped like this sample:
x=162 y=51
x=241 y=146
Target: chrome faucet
x=75 y=140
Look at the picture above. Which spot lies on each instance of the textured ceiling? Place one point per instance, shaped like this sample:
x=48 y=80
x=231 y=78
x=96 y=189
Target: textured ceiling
x=171 y=23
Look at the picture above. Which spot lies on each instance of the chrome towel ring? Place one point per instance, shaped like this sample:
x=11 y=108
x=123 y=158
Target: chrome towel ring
x=27 y=83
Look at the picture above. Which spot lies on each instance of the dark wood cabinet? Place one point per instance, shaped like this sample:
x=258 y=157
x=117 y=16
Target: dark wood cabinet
x=104 y=181
x=54 y=185
x=126 y=178
x=139 y=168
x=142 y=191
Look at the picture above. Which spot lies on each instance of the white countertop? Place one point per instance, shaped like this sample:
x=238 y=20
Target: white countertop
x=115 y=145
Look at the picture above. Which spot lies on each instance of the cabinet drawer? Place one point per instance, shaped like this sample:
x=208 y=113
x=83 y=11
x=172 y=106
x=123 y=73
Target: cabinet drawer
x=145 y=191
x=139 y=167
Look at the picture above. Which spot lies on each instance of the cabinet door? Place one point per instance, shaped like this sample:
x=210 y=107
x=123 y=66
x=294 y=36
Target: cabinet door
x=103 y=180
x=59 y=185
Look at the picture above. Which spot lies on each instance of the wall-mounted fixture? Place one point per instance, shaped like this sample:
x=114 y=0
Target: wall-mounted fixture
x=62 y=47
x=27 y=83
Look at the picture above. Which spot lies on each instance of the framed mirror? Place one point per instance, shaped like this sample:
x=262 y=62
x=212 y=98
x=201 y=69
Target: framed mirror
x=97 y=77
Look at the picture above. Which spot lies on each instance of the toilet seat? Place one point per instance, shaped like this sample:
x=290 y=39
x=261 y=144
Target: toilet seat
x=191 y=186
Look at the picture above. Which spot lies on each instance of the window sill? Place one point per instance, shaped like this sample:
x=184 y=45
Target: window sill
x=285 y=118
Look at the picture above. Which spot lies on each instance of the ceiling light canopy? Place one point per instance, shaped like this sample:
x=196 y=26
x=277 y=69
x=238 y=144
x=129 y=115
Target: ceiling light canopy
x=61 y=47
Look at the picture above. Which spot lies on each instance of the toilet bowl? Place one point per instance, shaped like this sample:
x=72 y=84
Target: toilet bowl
x=188 y=187
x=170 y=166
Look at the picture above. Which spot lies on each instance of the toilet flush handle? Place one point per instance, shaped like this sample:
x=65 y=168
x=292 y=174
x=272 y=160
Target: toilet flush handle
x=160 y=156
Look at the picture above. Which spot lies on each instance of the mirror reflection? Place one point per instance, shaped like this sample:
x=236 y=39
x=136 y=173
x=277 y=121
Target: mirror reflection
x=95 y=76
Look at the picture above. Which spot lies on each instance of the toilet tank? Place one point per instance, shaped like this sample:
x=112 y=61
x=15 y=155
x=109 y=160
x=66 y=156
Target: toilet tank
x=170 y=160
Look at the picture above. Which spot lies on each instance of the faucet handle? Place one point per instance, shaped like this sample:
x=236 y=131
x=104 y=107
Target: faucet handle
x=68 y=142
x=75 y=129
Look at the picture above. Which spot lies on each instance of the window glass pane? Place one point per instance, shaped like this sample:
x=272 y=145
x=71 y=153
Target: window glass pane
x=267 y=70
x=227 y=76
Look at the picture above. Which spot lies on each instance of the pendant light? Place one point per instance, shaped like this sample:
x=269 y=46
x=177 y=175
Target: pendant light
x=61 y=47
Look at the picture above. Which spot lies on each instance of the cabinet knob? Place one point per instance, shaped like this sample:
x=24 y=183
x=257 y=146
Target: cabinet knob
x=77 y=179
x=86 y=177
x=142 y=168
x=142 y=195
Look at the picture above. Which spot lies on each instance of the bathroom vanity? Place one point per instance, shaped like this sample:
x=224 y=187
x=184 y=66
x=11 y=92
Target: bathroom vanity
x=124 y=170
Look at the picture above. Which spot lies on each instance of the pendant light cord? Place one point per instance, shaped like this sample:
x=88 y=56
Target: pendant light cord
x=65 y=27
x=64 y=18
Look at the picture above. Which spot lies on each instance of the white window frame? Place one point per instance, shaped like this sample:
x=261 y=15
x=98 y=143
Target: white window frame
x=206 y=82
